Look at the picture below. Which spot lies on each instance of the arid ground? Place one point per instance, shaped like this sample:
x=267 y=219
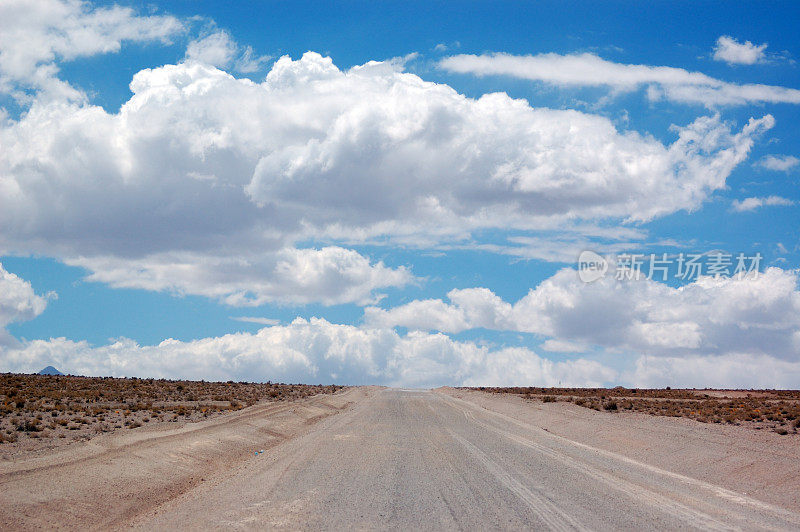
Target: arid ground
x=42 y=412
x=775 y=410
x=369 y=457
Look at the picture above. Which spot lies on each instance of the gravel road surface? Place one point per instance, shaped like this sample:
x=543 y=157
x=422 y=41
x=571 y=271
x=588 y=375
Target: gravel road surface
x=409 y=459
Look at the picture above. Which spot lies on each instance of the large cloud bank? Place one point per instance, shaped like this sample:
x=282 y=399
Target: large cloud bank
x=203 y=182
x=312 y=351
x=714 y=332
x=711 y=316
x=250 y=192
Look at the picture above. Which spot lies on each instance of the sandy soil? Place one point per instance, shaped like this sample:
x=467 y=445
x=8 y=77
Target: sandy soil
x=761 y=464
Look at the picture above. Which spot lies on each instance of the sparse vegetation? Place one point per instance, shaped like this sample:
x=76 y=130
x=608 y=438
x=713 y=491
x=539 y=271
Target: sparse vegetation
x=776 y=410
x=49 y=406
x=610 y=405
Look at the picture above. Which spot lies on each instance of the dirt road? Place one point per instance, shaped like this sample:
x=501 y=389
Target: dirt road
x=400 y=459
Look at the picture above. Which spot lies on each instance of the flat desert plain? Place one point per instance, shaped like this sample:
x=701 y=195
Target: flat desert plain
x=444 y=459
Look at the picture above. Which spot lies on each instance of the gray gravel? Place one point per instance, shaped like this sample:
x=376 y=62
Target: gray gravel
x=404 y=459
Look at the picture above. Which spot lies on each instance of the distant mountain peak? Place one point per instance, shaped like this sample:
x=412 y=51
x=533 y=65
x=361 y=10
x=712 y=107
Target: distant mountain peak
x=50 y=370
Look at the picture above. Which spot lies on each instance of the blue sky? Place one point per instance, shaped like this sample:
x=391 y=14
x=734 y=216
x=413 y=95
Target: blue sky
x=168 y=171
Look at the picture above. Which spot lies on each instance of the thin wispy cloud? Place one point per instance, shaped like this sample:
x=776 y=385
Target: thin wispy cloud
x=256 y=320
x=220 y=50
x=589 y=70
x=751 y=204
x=778 y=163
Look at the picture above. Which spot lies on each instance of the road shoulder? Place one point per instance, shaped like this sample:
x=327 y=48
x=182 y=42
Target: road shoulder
x=111 y=480
x=762 y=465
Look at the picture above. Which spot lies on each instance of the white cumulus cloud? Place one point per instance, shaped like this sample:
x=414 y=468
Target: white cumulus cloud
x=314 y=150
x=203 y=183
x=36 y=35
x=715 y=332
x=18 y=302
x=317 y=351
x=757 y=315
x=329 y=275
x=734 y=52
x=312 y=351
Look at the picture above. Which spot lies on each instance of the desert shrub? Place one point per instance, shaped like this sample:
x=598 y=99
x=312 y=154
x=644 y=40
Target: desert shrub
x=610 y=405
x=29 y=425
